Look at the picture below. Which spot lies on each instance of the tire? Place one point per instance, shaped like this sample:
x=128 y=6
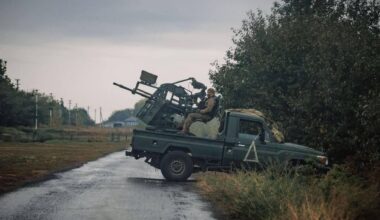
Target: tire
x=176 y=166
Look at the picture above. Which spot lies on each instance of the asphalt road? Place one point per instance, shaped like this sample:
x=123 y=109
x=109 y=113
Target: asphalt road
x=113 y=187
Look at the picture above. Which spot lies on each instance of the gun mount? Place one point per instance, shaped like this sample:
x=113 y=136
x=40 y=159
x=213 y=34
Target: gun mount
x=168 y=102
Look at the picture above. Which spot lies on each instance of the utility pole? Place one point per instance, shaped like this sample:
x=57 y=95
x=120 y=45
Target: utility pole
x=60 y=112
x=95 y=116
x=36 y=116
x=69 y=112
x=89 y=117
x=17 y=83
x=76 y=114
x=51 y=117
x=51 y=110
x=100 y=117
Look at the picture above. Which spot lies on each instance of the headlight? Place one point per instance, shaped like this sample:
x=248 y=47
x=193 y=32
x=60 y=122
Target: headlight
x=323 y=160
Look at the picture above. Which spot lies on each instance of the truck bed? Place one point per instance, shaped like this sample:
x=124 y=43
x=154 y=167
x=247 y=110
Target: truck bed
x=160 y=142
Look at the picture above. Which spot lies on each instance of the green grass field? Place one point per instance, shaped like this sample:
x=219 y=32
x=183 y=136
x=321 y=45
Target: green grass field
x=25 y=162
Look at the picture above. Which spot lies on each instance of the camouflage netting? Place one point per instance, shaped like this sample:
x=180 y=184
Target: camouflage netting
x=206 y=130
x=210 y=129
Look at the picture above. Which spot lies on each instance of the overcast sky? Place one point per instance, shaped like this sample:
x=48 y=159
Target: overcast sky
x=76 y=49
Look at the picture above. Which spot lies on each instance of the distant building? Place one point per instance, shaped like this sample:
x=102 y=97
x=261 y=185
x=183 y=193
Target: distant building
x=107 y=125
x=114 y=124
x=131 y=121
x=118 y=124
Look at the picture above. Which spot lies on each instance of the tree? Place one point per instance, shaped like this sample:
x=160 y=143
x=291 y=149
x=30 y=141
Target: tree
x=313 y=66
x=15 y=106
x=121 y=115
x=81 y=117
x=139 y=105
x=18 y=107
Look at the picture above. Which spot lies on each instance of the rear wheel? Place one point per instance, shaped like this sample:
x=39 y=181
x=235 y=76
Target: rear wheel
x=176 y=166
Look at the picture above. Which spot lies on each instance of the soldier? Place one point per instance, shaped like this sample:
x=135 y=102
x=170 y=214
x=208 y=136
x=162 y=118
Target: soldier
x=204 y=114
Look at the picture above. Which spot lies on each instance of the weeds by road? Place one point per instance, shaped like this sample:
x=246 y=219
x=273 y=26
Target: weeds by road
x=284 y=195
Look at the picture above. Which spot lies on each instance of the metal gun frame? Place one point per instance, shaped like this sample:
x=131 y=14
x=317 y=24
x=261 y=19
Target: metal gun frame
x=167 y=101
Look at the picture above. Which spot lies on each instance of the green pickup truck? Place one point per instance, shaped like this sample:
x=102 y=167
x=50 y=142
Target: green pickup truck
x=245 y=138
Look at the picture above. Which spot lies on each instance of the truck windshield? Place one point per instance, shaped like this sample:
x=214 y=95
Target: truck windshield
x=249 y=127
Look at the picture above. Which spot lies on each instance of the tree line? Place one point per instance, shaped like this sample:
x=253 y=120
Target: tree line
x=18 y=108
x=313 y=66
x=122 y=115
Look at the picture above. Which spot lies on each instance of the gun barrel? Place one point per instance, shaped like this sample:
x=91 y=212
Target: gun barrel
x=132 y=90
x=124 y=87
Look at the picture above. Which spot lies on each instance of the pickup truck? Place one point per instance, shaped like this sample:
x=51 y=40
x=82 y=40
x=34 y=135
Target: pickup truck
x=245 y=138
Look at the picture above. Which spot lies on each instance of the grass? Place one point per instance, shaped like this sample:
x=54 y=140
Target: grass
x=25 y=162
x=274 y=194
x=90 y=134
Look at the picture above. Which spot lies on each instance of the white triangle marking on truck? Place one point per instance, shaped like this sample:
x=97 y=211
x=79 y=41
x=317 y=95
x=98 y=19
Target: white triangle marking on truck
x=252 y=147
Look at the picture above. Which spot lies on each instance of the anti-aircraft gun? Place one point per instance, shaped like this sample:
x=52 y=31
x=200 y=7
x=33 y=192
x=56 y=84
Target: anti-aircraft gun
x=168 y=102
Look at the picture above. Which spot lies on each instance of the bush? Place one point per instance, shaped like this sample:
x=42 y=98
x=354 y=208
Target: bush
x=313 y=67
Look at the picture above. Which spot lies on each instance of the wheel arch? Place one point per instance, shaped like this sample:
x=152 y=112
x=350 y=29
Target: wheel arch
x=178 y=148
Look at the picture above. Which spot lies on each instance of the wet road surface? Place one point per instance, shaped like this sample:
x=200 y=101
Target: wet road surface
x=113 y=187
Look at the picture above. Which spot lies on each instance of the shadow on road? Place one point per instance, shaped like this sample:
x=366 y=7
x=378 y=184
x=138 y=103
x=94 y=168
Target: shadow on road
x=158 y=182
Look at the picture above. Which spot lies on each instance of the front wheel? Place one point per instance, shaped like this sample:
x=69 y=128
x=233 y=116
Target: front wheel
x=176 y=166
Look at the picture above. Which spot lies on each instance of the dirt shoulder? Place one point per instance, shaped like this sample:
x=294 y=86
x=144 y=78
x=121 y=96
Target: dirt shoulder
x=23 y=163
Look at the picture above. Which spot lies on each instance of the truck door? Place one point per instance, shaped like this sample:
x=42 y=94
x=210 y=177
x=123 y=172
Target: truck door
x=248 y=141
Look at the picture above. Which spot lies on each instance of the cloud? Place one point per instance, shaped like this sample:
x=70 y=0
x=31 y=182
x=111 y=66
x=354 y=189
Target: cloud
x=119 y=20
x=76 y=49
x=83 y=71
